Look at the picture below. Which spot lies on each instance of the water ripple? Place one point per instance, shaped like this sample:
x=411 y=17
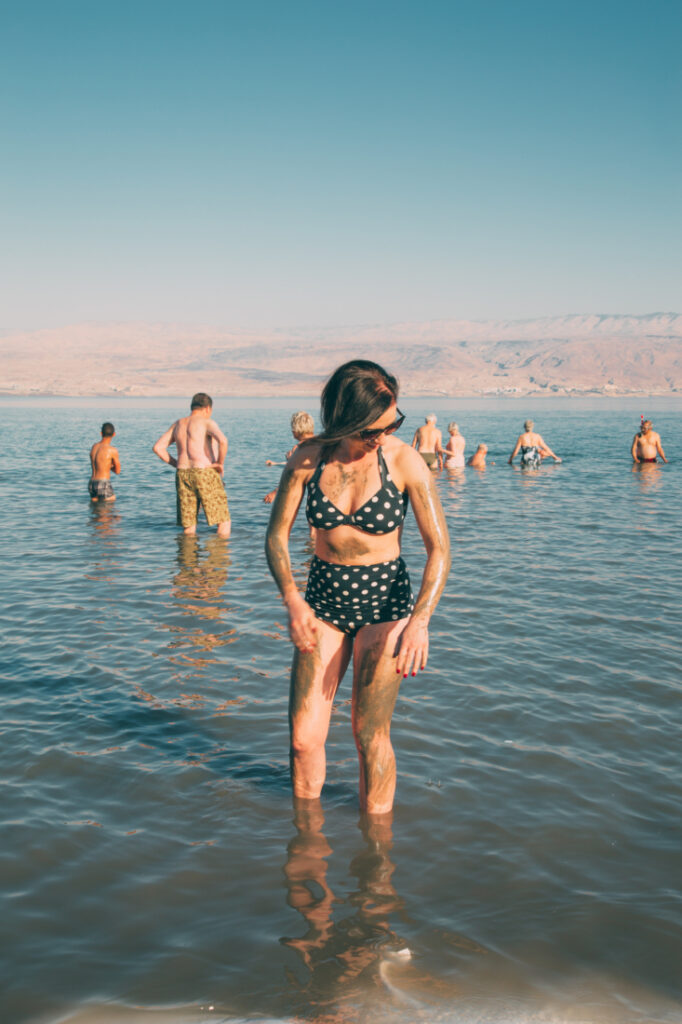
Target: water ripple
x=152 y=865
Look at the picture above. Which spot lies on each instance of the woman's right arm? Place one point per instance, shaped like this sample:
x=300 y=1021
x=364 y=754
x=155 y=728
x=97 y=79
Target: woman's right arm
x=302 y=621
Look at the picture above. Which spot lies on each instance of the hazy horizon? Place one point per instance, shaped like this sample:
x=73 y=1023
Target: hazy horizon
x=265 y=328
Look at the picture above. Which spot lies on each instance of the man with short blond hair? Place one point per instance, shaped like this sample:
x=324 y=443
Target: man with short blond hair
x=303 y=428
x=200 y=462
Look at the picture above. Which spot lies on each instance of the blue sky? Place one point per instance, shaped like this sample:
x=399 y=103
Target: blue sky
x=262 y=164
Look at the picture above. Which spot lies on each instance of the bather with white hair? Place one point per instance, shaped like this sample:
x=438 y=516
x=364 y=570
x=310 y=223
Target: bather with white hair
x=428 y=441
x=454 y=449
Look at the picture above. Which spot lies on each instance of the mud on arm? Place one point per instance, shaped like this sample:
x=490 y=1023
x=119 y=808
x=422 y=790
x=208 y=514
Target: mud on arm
x=413 y=648
x=302 y=627
x=428 y=512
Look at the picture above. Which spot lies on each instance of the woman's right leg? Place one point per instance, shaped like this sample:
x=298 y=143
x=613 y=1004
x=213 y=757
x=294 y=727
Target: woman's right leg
x=315 y=678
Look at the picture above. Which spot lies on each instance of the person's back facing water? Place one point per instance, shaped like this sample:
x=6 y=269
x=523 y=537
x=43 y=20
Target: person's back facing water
x=103 y=459
x=201 y=450
x=194 y=444
x=477 y=460
x=428 y=441
x=454 y=449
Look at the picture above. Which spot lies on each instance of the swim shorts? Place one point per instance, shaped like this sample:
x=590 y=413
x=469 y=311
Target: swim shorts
x=100 y=489
x=429 y=458
x=351 y=596
x=204 y=487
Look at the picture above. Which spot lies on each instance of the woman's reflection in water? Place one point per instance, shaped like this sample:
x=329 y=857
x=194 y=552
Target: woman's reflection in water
x=341 y=956
x=197 y=590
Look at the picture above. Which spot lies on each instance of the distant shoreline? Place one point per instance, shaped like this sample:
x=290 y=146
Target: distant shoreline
x=542 y=396
x=576 y=356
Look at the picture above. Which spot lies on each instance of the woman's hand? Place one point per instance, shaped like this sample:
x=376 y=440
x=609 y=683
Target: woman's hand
x=302 y=624
x=413 y=648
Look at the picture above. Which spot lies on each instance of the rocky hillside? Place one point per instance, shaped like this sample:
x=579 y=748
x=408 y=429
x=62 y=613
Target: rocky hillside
x=560 y=355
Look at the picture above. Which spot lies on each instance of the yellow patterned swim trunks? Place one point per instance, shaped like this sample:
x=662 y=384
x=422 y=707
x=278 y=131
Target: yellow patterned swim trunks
x=204 y=487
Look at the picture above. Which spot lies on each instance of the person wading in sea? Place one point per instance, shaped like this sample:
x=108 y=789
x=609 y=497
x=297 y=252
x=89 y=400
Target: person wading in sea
x=532 y=447
x=358 y=602
x=199 y=466
x=428 y=441
x=477 y=460
x=646 y=444
x=454 y=449
x=302 y=429
x=103 y=459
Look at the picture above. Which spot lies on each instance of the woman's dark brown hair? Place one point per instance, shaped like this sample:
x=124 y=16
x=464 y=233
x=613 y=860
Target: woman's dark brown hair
x=356 y=394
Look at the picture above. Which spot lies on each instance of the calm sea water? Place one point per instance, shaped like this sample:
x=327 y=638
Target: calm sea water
x=152 y=866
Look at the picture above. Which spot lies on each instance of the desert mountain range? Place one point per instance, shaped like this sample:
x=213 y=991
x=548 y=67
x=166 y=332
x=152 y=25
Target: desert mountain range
x=578 y=355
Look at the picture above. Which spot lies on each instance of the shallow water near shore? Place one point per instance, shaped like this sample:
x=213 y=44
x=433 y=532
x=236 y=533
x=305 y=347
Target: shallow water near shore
x=153 y=867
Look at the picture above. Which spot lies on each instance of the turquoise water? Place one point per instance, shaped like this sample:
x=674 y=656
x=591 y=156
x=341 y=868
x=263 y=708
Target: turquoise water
x=152 y=864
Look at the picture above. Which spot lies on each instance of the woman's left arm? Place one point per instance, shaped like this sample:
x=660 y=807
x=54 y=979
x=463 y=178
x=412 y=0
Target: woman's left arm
x=428 y=511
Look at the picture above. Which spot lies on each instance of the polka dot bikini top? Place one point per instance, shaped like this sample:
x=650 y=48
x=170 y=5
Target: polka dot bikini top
x=384 y=512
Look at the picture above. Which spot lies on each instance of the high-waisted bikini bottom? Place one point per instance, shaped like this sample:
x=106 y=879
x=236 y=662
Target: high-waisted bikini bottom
x=352 y=596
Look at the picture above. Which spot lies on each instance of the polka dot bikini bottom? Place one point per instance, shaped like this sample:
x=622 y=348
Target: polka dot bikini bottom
x=351 y=596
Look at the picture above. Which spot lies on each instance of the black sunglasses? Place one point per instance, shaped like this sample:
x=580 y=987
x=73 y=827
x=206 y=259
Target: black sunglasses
x=372 y=432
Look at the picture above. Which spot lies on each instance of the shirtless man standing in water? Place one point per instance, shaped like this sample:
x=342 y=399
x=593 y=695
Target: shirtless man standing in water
x=199 y=466
x=103 y=458
x=646 y=445
x=428 y=441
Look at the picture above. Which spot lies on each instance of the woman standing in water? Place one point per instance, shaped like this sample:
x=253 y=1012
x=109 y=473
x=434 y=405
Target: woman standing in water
x=358 y=601
x=454 y=449
x=532 y=447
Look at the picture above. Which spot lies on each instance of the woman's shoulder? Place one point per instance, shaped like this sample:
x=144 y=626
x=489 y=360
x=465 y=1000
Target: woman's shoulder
x=305 y=456
x=404 y=462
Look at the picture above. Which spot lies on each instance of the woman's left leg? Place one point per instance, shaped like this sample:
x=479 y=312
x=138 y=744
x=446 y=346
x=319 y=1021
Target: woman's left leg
x=375 y=688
